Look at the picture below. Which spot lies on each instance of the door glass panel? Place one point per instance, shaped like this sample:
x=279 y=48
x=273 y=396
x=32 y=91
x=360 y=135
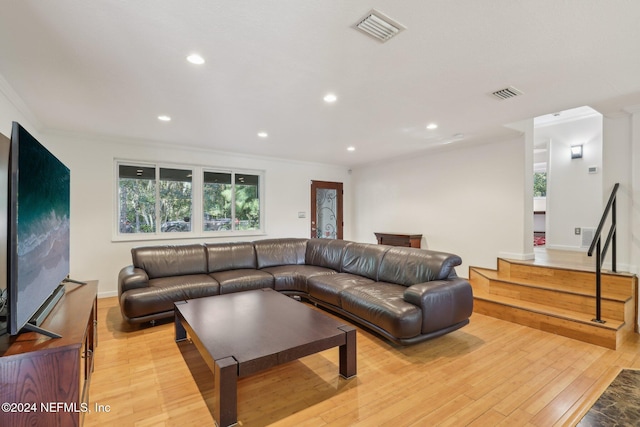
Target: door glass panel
x=326 y=209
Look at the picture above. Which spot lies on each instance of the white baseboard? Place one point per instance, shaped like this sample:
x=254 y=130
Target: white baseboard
x=620 y=268
x=517 y=256
x=107 y=294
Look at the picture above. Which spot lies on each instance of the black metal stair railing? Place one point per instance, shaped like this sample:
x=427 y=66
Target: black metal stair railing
x=601 y=248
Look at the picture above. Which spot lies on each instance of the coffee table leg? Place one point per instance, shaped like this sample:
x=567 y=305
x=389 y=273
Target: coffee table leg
x=226 y=392
x=181 y=333
x=348 y=360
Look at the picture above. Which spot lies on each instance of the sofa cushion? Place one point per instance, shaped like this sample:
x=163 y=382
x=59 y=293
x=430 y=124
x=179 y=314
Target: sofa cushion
x=272 y=252
x=326 y=253
x=170 y=260
x=230 y=256
x=327 y=288
x=294 y=277
x=383 y=305
x=161 y=293
x=243 y=279
x=408 y=266
x=363 y=259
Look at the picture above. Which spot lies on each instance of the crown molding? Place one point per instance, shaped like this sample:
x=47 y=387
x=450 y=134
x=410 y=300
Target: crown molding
x=632 y=109
x=15 y=99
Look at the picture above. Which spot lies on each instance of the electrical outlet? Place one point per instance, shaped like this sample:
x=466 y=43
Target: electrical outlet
x=577 y=231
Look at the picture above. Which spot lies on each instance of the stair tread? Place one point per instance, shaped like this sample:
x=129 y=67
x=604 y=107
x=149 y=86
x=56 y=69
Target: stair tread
x=543 y=309
x=493 y=275
x=568 y=268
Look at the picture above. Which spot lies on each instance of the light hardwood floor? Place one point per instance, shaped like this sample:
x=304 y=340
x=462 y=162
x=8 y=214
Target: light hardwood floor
x=489 y=373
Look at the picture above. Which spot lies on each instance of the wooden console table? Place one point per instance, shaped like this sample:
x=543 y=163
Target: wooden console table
x=399 y=239
x=48 y=378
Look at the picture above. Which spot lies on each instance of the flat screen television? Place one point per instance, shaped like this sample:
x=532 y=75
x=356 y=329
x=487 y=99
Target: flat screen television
x=38 y=235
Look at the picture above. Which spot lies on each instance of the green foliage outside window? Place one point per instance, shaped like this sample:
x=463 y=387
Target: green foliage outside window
x=247 y=202
x=230 y=201
x=540 y=184
x=137 y=199
x=219 y=194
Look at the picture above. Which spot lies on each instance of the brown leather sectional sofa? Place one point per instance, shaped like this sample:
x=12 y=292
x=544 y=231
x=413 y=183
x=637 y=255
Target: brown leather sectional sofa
x=406 y=295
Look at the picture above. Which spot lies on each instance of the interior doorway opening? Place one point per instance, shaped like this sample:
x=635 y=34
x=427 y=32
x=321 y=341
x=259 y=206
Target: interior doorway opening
x=567 y=167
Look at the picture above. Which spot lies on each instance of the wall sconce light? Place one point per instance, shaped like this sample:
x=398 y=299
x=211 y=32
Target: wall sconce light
x=576 y=151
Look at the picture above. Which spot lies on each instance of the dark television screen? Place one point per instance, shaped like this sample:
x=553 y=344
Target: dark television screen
x=38 y=226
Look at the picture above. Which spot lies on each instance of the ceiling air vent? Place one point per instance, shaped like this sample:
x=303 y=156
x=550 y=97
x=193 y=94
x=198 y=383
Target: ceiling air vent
x=506 y=93
x=379 y=26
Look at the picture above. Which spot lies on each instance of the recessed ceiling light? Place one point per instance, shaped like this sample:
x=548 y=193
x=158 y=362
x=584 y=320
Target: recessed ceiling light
x=194 y=58
x=263 y=134
x=164 y=118
x=330 y=97
x=351 y=148
x=432 y=126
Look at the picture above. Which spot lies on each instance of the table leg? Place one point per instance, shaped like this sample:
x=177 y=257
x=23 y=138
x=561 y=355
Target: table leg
x=348 y=360
x=226 y=392
x=181 y=333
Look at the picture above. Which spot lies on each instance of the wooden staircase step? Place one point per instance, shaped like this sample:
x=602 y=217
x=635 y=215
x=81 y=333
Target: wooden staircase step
x=620 y=283
x=563 y=322
x=607 y=293
x=613 y=305
x=557 y=312
x=558 y=300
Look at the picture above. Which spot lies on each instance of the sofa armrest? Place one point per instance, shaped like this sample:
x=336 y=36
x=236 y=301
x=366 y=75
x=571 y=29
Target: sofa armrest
x=131 y=277
x=443 y=302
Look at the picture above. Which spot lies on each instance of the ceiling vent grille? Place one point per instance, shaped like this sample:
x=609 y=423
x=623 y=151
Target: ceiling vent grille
x=379 y=26
x=506 y=93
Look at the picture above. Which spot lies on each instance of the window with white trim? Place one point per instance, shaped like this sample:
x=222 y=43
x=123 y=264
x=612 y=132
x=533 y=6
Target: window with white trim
x=165 y=201
x=231 y=201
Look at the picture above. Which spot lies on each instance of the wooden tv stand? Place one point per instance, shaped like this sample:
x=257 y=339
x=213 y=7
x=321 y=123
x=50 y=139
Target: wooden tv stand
x=47 y=379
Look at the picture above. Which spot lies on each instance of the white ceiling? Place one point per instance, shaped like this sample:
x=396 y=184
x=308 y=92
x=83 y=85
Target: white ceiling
x=110 y=67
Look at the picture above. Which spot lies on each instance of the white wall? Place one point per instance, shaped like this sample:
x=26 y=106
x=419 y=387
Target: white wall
x=574 y=196
x=616 y=168
x=94 y=254
x=632 y=191
x=467 y=201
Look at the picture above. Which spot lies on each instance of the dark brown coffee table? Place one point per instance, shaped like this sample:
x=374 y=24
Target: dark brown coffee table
x=243 y=333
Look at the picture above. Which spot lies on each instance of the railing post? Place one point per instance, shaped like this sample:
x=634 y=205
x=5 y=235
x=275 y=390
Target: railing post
x=598 y=318
x=613 y=239
x=601 y=252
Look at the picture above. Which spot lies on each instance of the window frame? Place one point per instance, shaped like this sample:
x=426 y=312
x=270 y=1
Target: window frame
x=197 y=202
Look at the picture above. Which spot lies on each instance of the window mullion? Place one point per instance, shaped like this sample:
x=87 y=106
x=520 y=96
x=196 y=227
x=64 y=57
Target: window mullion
x=158 y=201
x=233 y=201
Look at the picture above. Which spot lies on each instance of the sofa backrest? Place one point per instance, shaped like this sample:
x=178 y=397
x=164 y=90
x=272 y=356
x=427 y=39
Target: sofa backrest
x=405 y=266
x=274 y=252
x=325 y=253
x=170 y=260
x=363 y=259
x=230 y=256
x=408 y=266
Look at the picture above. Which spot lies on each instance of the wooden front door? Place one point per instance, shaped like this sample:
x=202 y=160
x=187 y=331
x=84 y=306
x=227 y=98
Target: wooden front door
x=326 y=210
